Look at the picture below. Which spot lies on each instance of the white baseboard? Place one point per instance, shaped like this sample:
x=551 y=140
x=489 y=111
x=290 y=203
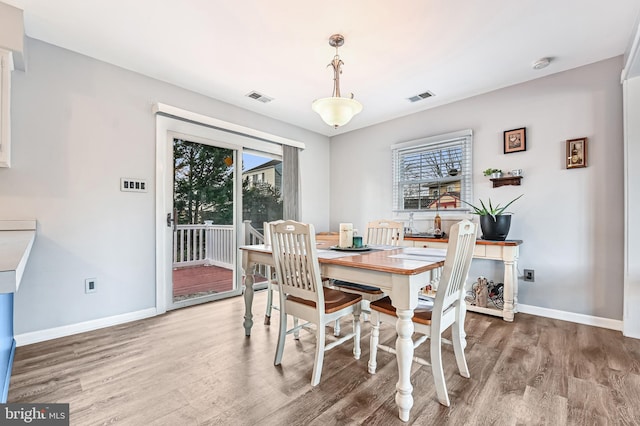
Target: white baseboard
x=68 y=330
x=571 y=317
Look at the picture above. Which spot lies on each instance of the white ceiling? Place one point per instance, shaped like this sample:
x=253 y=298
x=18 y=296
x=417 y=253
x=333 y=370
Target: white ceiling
x=393 y=50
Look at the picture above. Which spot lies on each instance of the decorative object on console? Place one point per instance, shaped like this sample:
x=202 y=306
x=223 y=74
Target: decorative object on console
x=336 y=111
x=481 y=289
x=515 y=140
x=576 y=153
x=494 y=294
x=494 y=222
x=437 y=224
x=437 y=221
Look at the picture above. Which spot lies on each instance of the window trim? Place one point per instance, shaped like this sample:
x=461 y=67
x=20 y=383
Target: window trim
x=466 y=194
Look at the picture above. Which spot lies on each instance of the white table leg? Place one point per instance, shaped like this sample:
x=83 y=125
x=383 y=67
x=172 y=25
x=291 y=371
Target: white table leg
x=514 y=280
x=404 y=355
x=248 y=297
x=509 y=273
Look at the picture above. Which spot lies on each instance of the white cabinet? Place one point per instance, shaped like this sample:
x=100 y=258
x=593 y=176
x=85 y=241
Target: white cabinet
x=6 y=66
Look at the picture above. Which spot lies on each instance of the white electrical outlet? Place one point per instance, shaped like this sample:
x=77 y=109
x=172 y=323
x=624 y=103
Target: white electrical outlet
x=90 y=285
x=133 y=185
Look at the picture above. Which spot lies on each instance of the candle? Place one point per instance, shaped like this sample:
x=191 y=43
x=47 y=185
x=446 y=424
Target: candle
x=346 y=235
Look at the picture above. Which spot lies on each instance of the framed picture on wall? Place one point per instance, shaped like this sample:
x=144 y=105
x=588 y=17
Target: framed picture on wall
x=576 y=153
x=515 y=140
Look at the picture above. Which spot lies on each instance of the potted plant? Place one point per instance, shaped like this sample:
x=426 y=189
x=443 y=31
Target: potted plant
x=494 y=173
x=494 y=221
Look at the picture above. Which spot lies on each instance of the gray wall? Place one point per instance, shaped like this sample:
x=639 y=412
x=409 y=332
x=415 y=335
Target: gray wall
x=78 y=126
x=632 y=254
x=571 y=221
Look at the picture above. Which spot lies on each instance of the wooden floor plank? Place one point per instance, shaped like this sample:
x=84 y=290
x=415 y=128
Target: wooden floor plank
x=202 y=278
x=194 y=366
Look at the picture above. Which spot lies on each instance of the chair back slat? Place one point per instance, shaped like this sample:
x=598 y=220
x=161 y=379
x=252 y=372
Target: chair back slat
x=462 y=239
x=296 y=260
x=384 y=232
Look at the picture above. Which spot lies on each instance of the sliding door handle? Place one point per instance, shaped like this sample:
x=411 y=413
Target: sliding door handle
x=171 y=221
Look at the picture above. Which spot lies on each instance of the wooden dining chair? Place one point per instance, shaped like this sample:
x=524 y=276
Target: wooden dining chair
x=303 y=295
x=447 y=310
x=378 y=232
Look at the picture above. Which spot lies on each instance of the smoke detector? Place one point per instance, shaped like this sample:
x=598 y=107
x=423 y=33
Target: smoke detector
x=541 y=63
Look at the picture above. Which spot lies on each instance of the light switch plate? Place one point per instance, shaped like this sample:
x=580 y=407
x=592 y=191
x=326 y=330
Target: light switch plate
x=90 y=285
x=133 y=185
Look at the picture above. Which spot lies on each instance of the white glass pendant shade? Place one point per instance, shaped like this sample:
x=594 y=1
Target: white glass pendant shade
x=336 y=111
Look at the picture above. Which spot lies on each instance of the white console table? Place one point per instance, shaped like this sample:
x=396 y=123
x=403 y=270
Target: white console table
x=504 y=251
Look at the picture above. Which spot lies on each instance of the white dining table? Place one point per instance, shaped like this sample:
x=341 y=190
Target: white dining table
x=401 y=272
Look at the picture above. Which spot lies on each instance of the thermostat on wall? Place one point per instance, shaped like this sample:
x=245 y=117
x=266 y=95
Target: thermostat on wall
x=133 y=185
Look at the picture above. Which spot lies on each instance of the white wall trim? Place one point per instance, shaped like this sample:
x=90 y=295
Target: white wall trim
x=224 y=125
x=71 y=329
x=632 y=56
x=571 y=317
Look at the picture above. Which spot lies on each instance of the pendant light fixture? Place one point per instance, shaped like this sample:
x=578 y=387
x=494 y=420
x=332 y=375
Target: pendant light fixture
x=336 y=111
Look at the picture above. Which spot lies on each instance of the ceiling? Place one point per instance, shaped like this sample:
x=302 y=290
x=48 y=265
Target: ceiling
x=225 y=49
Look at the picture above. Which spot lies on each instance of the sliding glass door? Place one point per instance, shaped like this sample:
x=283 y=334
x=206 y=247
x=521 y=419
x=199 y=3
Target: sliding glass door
x=215 y=188
x=204 y=228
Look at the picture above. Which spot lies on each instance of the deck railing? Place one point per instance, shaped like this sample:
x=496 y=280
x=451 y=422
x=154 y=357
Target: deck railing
x=208 y=244
x=254 y=236
x=203 y=244
x=251 y=234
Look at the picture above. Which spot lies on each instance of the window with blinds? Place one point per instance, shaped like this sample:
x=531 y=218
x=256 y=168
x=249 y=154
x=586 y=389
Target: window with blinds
x=433 y=173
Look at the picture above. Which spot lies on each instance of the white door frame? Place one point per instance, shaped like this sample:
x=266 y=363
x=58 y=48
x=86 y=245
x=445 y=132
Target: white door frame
x=166 y=129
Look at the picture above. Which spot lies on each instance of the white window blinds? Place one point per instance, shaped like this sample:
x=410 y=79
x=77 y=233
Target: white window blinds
x=433 y=173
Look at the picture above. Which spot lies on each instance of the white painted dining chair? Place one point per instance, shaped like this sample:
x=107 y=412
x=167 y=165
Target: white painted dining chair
x=272 y=283
x=303 y=295
x=378 y=232
x=447 y=310
x=384 y=232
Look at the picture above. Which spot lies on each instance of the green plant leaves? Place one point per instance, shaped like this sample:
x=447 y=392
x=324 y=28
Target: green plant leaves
x=491 y=210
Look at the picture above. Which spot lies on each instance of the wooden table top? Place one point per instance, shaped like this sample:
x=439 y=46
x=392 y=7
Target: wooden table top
x=375 y=260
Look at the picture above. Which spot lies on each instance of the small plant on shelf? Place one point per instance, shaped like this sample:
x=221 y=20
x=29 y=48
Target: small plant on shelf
x=493 y=172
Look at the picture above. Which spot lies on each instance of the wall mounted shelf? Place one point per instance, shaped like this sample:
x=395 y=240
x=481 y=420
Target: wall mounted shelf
x=507 y=180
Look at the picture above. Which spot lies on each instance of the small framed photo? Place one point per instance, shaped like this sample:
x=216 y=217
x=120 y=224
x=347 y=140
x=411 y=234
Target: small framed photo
x=576 y=153
x=515 y=140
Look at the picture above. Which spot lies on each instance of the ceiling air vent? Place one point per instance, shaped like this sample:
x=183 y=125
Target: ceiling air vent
x=421 y=96
x=259 y=97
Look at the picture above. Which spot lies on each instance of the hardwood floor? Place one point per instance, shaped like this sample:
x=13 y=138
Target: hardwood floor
x=195 y=367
